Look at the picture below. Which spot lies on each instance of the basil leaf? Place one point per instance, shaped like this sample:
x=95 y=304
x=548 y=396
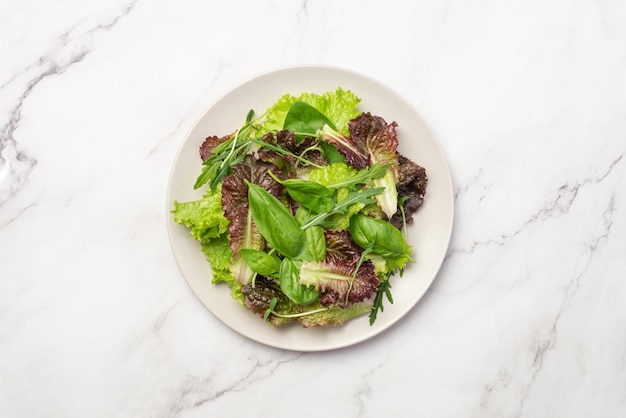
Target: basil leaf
x=382 y=237
x=317 y=242
x=311 y=195
x=261 y=262
x=330 y=152
x=305 y=119
x=302 y=215
x=275 y=223
x=289 y=278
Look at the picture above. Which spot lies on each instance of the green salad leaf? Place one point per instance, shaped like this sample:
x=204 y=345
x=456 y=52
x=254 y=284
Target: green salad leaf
x=291 y=287
x=381 y=238
x=338 y=106
x=205 y=217
x=311 y=195
x=261 y=262
x=275 y=223
x=303 y=118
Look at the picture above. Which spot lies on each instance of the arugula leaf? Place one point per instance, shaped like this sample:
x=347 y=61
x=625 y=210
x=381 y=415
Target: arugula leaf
x=401 y=201
x=384 y=289
x=363 y=197
x=342 y=175
x=270 y=309
x=225 y=155
x=283 y=151
x=364 y=176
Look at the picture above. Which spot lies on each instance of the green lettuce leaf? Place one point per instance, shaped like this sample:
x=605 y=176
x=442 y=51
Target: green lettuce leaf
x=243 y=232
x=218 y=254
x=335 y=316
x=331 y=175
x=338 y=106
x=204 y=218
x=337 y=281
x=326 y=317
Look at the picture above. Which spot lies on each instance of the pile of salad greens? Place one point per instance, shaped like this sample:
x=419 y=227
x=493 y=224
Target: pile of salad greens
x=305 y=210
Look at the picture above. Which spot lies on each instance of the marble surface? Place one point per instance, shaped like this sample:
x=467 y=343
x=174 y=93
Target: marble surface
x=527 y=316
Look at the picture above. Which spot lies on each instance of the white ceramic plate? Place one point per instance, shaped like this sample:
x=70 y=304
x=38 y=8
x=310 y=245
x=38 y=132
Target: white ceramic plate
x=429 y=234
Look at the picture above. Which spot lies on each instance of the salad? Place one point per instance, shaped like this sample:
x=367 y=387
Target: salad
x=305 y=209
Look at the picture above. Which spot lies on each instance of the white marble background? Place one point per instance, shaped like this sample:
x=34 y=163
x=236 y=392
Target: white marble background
x=527 y=317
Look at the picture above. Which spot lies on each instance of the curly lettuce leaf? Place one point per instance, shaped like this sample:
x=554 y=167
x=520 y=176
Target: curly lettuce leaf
x=332 y=174
x=337 y=175
x=335 y=315
x=354 y=152
x=338 y=106
x=243 y=232
x=378 y=137
x=339 y=247
x=204 y=218
x=218 y=254
x=338 y=283
x=321 y=316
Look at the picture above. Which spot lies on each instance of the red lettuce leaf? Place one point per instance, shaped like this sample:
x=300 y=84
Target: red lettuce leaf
x=335 y=281
x=288 y=141
x=209 y=144
x=243 y=233
x=339 y=247
x=376 y=136
x=333 y=275
x=380 y=140
x=355 y=153
x=412 y=183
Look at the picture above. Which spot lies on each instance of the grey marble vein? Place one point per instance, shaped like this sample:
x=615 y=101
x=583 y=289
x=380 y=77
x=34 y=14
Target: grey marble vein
x=16 y=163
x=559 y=203
x=194 y=391
x=544 y=345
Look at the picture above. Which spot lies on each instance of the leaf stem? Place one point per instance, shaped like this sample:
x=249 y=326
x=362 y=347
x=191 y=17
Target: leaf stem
x=364 y=253
x=297 y=315
x=283 y=151
x=363 y=197
x=401 y=207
